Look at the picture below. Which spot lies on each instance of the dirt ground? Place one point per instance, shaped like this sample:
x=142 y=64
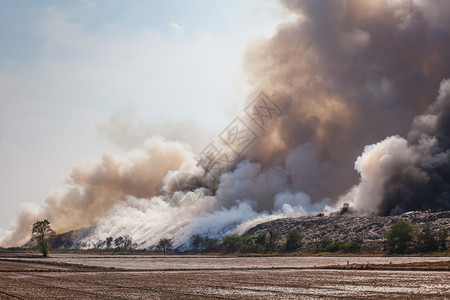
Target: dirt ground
x=28 y=278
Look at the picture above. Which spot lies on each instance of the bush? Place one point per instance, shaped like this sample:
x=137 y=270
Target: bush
x=118 y=242
x=248 y=245
x=400 y=236
x=127 y=242
x=99 y=245
x=427 y=240
x=164 y=244
x=274 y=236
x=261 y=242
x=232 y=243
x=353 y=247
x=294 y=241
x=338 y=246
x=327 y=245
x=109 y=241
x=210 y=244
x=261 y=239
x=443 y=235
x=197 y=242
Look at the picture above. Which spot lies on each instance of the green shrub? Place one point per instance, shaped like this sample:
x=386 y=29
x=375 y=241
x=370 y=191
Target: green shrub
x=353 y=247
x=294 y=241
x=248 y=245
x=338 y=246
x=443 y=235
x=400 y=237
x=327 y=245
x=210 y=244
x=261 y=239
x=231 y=243
x=274 y=236
x=427 y=240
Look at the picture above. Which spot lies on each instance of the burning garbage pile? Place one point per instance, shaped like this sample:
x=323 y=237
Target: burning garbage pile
x=355 y=85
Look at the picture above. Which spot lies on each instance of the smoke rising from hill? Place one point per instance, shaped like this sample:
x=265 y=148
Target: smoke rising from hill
x=400 y=174
x=347 y=74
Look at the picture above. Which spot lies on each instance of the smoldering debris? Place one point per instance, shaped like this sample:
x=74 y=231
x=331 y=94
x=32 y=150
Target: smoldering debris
x=347 y=74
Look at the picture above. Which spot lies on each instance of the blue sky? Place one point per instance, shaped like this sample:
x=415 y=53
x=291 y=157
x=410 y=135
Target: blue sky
x=67 y=67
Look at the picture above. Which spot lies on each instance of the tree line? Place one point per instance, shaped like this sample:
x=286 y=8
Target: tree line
x=402 y=238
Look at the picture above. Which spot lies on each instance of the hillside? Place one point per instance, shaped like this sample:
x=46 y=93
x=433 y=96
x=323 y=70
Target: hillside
x=371 y=229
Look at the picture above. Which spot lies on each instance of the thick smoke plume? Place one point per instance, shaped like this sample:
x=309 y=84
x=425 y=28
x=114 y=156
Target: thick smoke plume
x=347 y=74
x=400 y=174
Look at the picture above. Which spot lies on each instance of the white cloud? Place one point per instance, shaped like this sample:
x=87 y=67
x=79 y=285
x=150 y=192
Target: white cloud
x=176 y=26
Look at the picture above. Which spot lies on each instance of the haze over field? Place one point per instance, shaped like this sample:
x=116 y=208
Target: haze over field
x=358 y=111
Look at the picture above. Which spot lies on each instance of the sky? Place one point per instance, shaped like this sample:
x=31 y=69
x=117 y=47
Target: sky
x=74 y=73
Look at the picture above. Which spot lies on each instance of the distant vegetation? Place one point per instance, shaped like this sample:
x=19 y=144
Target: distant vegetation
x=164 y=245
x=402 y=238
x=262 y=243
x=327 y=245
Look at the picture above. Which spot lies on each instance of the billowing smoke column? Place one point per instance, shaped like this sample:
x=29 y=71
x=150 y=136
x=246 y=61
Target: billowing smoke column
x=400 y=174
x=347 y=74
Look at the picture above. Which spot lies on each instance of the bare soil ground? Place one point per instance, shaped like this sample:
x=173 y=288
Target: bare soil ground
x=30 y=278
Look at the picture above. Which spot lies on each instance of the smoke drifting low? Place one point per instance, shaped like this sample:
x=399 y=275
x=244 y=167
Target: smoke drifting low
x=347 y=74
x=98 y=189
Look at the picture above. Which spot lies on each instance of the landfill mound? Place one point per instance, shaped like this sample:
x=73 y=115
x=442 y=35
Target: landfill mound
x=371 y=230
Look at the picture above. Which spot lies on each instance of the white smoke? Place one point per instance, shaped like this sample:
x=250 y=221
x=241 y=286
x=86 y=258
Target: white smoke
x=347 y=73
x=155 y=192
x=236 y=207
x=96 y=190
x=374 y=165
x=399 y=174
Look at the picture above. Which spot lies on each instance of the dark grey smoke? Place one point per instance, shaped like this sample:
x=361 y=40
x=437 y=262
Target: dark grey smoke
x=348 y=74
x=398 y=174
x=424 y=183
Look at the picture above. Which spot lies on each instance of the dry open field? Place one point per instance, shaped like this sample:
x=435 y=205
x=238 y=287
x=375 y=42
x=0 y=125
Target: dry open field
x=67 y=276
